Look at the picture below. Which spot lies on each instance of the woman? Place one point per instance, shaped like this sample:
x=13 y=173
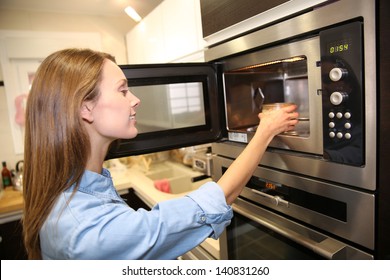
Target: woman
x=79 y=103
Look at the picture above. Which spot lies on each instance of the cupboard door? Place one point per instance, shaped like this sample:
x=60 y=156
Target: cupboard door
x=134 y=201
x=220 y=14
x=11 y=241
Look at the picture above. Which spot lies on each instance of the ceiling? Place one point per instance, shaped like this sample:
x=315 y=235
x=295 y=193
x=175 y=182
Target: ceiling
x=87 y=7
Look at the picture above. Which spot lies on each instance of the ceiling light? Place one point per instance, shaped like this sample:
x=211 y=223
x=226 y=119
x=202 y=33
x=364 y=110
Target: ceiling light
x=133 y=14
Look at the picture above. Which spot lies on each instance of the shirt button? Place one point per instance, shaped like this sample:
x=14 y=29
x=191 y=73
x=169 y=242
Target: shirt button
x=203 y=218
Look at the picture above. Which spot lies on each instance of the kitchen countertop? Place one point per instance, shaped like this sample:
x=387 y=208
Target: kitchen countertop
x=11 y=205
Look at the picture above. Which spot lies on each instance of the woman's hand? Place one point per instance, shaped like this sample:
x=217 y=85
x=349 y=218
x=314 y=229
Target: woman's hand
x=271 y=123
x=277 y=121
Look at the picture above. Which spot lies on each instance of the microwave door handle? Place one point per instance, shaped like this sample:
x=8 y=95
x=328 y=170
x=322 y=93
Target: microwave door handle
x=328 y=248
x=277 y=200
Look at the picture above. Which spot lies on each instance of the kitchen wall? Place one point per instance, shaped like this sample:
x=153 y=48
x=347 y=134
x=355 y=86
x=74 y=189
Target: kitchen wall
x=112 y=31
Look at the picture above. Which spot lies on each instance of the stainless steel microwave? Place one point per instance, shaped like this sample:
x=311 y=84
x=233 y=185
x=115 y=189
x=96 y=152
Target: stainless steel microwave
x=187 y=104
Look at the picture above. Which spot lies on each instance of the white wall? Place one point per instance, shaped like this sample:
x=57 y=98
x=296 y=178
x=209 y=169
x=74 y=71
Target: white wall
x=112 y=31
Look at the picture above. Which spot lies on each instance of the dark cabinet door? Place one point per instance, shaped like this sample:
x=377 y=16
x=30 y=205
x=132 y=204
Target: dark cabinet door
x=11 y=241
x=133 y=200
x=220 y=14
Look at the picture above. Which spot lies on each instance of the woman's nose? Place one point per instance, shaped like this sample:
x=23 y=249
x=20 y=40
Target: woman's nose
x=134 y=101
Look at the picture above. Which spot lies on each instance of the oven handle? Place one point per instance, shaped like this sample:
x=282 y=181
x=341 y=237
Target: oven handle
x=328 y=248
x=277 y=200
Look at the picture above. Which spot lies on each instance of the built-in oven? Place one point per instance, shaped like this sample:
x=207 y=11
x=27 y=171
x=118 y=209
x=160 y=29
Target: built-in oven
x=285 y=216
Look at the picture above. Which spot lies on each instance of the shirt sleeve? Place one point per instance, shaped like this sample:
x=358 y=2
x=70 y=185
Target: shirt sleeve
x=169 y=230
x=215 y=212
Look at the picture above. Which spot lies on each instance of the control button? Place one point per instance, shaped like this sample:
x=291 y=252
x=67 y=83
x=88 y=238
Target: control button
x=331 y=115
x=348 y=136
x=331 y=125
x=339 y=135
x=347 y=125
x=339 y=115
x=336 y=74
x=332 y=134
x=347 y=115
x=336 y=98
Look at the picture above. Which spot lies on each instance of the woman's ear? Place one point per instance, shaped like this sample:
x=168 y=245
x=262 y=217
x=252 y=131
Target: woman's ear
x=86 y=112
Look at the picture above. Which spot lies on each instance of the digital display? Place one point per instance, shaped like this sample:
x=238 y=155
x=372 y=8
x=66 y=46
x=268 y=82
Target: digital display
x=270 y=186
x=339 y=47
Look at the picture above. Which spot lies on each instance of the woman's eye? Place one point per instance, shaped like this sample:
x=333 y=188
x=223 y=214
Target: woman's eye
x=125 y=91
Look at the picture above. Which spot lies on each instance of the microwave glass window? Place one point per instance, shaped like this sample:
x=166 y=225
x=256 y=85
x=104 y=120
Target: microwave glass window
x=169 y=106
x=282 y=81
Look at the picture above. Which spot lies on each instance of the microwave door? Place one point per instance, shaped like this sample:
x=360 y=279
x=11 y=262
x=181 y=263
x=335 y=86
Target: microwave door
x=181 y=105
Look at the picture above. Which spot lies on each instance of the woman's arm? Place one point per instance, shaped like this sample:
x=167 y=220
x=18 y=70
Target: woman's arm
x=272 y=123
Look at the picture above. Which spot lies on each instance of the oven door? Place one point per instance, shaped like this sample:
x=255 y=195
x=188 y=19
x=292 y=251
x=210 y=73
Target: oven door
x=345 y=213
x=181 y=105
x=258 y=234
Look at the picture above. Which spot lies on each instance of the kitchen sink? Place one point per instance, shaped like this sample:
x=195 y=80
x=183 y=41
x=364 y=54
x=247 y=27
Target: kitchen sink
x=180 y=178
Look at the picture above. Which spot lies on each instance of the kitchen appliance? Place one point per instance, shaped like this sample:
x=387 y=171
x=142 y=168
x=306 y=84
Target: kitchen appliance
x=284 y=215
x=316 y=187
x=18 y=176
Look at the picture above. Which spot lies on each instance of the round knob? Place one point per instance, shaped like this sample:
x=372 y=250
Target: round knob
x=336 y=74
x=336 y=98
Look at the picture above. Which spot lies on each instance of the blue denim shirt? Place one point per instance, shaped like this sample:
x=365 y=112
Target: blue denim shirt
x=97 y=224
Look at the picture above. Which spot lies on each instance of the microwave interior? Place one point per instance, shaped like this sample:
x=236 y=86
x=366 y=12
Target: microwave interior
x=249 y=88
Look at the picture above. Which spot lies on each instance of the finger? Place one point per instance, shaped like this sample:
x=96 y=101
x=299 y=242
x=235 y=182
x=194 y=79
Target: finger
x=290 y=108
x=294 y=115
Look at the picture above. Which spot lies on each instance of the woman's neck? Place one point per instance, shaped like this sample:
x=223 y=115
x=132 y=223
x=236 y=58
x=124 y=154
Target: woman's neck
x=97 y=157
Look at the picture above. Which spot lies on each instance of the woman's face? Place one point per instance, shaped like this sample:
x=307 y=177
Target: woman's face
x=113 y=114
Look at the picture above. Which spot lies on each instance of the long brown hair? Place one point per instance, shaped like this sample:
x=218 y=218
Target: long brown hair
x=56 y=144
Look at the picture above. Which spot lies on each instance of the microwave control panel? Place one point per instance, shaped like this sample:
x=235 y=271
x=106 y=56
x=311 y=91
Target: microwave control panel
x=343 y=93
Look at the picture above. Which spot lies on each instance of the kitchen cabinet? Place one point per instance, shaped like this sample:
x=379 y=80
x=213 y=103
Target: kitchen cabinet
x=11 y=241
x=133 y=200
x=170 y=32
x=220 y=14
x=224 y=20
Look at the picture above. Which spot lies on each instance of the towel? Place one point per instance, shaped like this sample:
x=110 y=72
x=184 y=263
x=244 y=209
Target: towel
x=163 y=185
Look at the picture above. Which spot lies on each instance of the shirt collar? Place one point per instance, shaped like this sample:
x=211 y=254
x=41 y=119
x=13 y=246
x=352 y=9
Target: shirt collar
x=100 y=185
